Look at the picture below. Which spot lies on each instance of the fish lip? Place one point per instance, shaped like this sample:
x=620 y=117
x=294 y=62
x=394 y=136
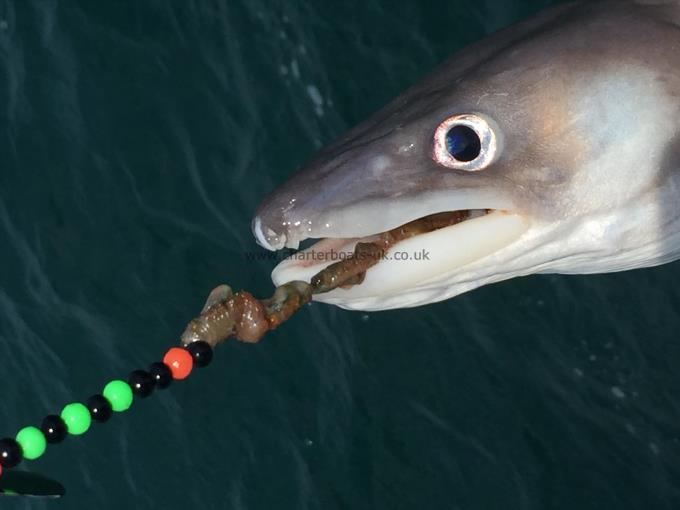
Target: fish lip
x=392 y=276
x=279 y=229
x=330 y=244
x=290 y=226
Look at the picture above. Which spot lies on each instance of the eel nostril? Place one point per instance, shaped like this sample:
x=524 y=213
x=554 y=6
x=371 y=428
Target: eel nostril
x=269 y=239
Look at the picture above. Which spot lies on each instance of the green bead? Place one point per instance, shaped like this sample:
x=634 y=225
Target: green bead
x=119 y=394
x=77 y=418
x=32 y=442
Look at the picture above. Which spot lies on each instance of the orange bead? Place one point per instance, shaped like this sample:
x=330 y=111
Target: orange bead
x=179 y=362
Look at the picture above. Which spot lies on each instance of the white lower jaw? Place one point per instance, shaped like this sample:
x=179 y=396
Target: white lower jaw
x=416 y=260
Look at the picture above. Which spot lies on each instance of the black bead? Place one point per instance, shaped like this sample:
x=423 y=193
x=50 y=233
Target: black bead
x=100 y=408
x=141 y=383
x=10 y=453
x=161 y=374
x=201 y=352
x=53 y=428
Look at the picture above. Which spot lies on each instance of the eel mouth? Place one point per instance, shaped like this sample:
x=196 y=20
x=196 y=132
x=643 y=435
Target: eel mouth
x=402 y=258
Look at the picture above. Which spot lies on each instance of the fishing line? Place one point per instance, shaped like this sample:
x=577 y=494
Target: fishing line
x=225 y=315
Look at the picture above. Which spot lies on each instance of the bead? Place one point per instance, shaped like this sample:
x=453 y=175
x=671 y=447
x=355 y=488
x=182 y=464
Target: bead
x=201 y=353
x=32 y=442
x=53 y=428
x=179 y=361
x=161 y=374
x=77 y=418
x=119 y=395
x=100 y=408
x=10 y=453
x=141 y=383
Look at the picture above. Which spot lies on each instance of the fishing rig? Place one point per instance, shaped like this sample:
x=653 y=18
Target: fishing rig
x=225 y=315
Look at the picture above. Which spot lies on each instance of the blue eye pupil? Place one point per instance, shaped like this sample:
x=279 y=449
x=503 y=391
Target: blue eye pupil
x=463 y=143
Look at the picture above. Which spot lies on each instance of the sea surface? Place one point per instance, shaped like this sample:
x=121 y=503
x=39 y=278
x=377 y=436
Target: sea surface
x=137 y=139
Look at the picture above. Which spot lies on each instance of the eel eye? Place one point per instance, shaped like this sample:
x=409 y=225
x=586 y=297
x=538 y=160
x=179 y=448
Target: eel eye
x=466 y=142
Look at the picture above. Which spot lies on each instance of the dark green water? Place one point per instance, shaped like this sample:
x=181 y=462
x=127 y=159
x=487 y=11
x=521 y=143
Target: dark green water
x=137 y=139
